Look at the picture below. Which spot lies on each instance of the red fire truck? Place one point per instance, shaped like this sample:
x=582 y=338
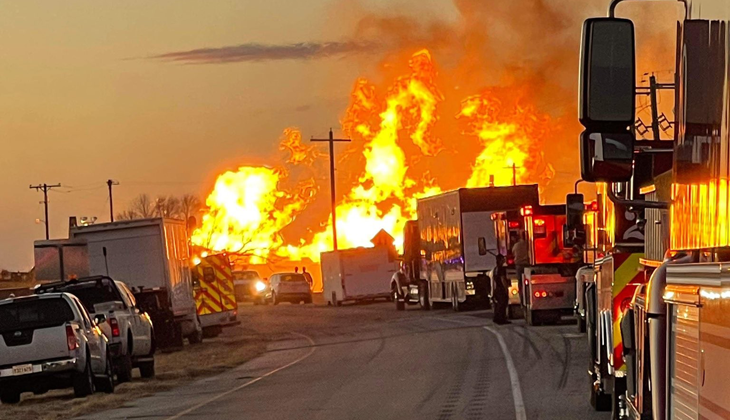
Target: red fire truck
x=675 y=332
x=549 y=281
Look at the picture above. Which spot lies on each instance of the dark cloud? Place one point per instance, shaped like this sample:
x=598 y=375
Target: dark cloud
x=253 y=52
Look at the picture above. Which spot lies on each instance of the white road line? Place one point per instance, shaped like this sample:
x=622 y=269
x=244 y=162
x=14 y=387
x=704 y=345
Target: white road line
x=251 y=382
x=520 y=413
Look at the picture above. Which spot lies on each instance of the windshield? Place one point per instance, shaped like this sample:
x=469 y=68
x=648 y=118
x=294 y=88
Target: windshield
x=92 y=293
x=246 y=275
x=292 y=277
x=34 y=314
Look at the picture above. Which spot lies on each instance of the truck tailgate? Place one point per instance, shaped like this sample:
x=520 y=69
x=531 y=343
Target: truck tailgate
x=294 y=287
x=25 y=346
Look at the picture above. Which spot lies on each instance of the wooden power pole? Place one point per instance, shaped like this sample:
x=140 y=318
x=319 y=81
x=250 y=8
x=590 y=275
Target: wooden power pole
x=45 y=188
x=331 y=140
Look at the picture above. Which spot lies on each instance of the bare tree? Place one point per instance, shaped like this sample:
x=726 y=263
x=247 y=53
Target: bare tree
x=142 y=206
x=189 y=206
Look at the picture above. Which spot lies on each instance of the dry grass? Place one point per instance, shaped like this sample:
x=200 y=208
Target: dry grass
x=234 y=347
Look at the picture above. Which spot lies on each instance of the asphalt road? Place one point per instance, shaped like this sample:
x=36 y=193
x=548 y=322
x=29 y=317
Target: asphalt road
x=371 y=362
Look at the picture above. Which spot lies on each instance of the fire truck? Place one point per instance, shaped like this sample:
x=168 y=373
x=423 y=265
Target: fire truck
x=670 y=347
x=549 y=282
x=215 y=298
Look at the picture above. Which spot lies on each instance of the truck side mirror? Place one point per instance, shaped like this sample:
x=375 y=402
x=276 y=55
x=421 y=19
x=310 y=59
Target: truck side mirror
x=608 y=73
x=606 y=157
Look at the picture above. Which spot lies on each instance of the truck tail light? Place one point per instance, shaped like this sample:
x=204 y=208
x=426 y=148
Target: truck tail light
x=115 y=327
x=539 y=222
x=514 y=225
x=71 y=340
x=542 y=294
x=526 y=211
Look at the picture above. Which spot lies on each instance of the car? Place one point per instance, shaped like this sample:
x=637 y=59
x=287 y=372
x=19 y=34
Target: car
x=245 y=283
x=129 y=330
x=289 y=287
x=50 y=342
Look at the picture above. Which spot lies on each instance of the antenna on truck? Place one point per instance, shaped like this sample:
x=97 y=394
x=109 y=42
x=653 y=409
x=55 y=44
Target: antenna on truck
x=106 y=261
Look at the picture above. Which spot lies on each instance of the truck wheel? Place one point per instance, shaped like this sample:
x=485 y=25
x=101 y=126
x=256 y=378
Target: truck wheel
x=9 y=396
x=599 y=400
x=124 y=368
x=147 y=369
x=212 y=331
x=619 y=390
x=423 y=298
x=106 y=384
x=581 y=324
x=400 y=305
x=455 y=299
x=532 y=317
x=83 y=382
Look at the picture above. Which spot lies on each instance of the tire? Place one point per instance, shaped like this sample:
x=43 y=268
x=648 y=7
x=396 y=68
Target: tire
x=581 y=325
x=106 y=384
x=124 y=368
x=308 y=300
x=423 y=298
x=455 y=299
x=9 y=396
x=83 y=382
x=532 y=317
x=147 y=369
x=399 y=304
x=599 y=401
x=512 y=311
x=212 y=331
x=619 y=389
x=274 y=299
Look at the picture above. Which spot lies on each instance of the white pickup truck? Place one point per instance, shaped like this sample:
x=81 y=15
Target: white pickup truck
x=50 y=342
x=130 y=332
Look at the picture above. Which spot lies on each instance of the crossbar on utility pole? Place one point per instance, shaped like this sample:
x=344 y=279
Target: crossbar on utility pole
x=110 y=183
x=331 y=140
x=45 y=188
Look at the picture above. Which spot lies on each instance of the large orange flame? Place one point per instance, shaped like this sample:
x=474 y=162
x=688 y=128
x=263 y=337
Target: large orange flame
x=249 y=208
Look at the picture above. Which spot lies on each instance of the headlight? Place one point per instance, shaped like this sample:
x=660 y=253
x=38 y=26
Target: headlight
x=260 y=286
x=469 y=285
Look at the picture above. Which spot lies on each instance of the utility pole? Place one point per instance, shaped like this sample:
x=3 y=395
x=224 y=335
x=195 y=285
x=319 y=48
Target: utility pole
x=332 y=141
x=654 y=108
x=111 y=183
x=514 y=172
x=652 y=92
x=45 y=188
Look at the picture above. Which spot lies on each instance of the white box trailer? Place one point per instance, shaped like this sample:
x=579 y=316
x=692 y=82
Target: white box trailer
x=357 y=274
x=152 y=257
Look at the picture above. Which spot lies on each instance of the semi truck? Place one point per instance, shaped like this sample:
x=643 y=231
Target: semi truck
x=671 y=358
x=357 y=274
x=451 y=249
x=152 y=257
